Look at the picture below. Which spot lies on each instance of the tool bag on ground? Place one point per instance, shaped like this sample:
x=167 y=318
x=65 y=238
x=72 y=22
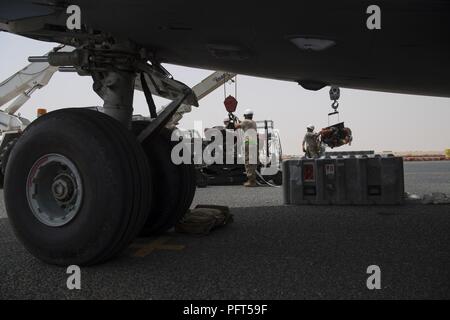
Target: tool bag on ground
x=203 y=219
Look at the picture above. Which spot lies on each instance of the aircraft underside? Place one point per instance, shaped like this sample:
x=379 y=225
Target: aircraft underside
x=81 y=184
x=409 y=54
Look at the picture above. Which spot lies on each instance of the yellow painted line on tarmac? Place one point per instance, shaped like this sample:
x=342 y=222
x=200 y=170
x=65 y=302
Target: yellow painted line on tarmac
x=144 y=249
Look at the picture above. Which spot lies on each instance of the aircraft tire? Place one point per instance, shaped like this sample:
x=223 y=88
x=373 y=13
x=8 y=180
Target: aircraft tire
x=4 y=155
x=77 y=187
x=174 y=187
x=188 y=186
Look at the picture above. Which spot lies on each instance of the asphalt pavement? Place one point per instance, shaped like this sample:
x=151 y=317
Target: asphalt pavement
x=271 y=251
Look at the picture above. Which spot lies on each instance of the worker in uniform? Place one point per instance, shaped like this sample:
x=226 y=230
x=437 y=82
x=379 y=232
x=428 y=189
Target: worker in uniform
x=250 y=140
x=311 y=144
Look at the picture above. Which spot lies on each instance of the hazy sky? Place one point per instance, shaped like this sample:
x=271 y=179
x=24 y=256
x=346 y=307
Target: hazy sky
x=379 y=121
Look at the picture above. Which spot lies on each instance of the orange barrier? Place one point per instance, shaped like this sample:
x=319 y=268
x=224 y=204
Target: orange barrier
x=426 y=158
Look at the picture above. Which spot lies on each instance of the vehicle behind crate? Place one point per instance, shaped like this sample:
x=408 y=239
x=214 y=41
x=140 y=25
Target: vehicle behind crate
x=269 y=160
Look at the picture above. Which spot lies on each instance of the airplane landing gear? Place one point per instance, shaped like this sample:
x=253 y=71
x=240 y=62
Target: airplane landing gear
x=77 y=187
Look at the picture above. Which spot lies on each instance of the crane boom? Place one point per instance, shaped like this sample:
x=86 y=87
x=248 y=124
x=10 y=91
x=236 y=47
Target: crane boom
x=23 y=83
x=201 y=90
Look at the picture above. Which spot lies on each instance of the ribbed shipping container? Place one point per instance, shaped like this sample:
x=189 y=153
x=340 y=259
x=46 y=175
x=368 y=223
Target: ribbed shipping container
x=354 y=180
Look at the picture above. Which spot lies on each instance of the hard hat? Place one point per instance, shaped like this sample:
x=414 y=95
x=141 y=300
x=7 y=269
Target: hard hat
x=248 y=112
x=311 y=127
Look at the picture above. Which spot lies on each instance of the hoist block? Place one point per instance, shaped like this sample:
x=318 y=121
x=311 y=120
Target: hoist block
x=230 y=104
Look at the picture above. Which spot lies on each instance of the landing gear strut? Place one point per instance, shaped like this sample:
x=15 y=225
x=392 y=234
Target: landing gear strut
x=117 y=90
x=79 y=185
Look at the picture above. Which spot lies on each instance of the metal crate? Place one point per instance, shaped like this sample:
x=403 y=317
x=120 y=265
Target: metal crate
x=353 y=180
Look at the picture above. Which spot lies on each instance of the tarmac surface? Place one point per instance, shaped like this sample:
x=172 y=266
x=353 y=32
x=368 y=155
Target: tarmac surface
x=271 y=251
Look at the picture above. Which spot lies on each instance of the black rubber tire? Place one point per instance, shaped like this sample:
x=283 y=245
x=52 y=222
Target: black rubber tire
x=174 y=188
x=116 y=187
x=4 y=156
x=188 y=185
x=166 y=191
x=202 y=179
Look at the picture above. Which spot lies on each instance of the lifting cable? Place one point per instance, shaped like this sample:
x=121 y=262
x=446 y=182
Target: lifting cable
x=230 y=101
x=234 y=80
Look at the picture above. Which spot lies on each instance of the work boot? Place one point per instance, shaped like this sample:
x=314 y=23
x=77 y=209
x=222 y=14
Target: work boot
x=250 y=184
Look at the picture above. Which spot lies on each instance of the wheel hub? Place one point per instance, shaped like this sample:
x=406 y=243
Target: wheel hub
x=54 y=190
x=64 y=188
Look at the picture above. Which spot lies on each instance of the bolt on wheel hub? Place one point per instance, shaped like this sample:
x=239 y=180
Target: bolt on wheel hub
x=54 y=190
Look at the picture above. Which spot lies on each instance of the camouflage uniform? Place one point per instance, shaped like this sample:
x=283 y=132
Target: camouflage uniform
x=312 y=144
x=250 y=166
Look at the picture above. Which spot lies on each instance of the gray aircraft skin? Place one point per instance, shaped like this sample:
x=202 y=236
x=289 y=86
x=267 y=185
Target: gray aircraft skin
x=409 y=54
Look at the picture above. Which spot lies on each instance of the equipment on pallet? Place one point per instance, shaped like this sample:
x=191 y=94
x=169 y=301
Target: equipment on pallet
x=269 y=160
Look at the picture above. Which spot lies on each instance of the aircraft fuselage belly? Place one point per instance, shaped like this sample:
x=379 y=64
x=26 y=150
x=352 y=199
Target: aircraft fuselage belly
x=409 y=54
